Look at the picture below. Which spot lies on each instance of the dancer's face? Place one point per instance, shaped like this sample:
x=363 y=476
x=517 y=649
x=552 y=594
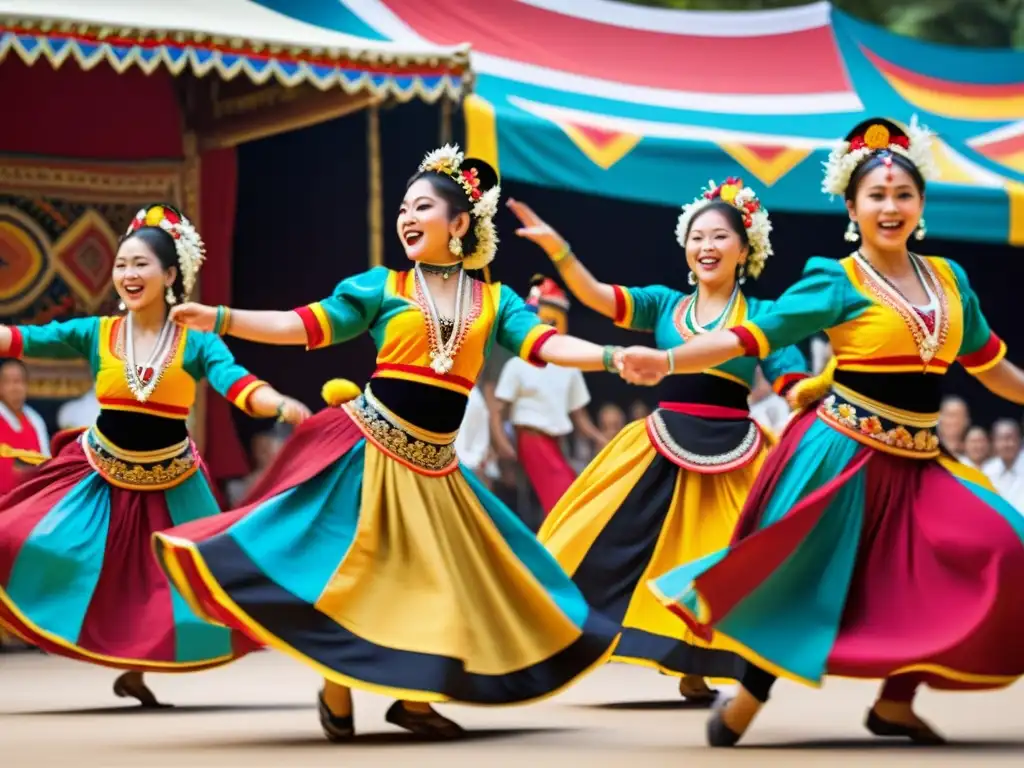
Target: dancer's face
x=714 y=249
x=887 y=207
x=554 y=317
x=139 y=277
x=425 y=224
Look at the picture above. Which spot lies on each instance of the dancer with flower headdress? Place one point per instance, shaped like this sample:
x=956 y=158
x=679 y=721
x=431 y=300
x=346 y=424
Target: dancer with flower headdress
x=77 y=573
x=366 y=551
x=669 y=489
x=863 y=550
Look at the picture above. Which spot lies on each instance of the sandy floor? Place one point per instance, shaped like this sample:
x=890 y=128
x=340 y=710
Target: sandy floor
x=260 y=712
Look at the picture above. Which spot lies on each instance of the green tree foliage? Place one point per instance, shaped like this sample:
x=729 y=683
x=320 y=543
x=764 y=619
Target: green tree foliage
x=977 y=23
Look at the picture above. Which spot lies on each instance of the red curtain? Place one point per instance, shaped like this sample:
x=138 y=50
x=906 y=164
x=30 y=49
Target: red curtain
x=223 y=453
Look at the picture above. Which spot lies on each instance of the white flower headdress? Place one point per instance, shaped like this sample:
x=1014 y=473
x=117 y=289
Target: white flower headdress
x=187 y=243
x=913 y=142
x=449 y=161
x=755 y=219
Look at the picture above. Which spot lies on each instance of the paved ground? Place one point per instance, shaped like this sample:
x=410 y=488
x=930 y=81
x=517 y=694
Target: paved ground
x=259 y=712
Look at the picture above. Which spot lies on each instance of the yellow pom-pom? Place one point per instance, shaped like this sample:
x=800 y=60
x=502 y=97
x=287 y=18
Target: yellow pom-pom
x=154 y=216
x=338 y=391
x=810 y=390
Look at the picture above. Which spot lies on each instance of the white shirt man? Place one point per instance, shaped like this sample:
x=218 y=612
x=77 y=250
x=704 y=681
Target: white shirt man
x=1004 y=469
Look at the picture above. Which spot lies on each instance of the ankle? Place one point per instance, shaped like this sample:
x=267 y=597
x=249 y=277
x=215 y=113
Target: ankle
x=417 y=707
x=741 y=710
x=337 y=699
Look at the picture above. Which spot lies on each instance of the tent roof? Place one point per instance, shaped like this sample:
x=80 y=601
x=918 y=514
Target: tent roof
x=648 y=104
x=230 y=37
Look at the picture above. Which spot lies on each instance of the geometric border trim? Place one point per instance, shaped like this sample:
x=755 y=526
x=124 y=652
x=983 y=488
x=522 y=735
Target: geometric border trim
x=398 y=75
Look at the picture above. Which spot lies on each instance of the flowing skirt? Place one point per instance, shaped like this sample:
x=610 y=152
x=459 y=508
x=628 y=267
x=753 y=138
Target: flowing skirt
x=850 y=561
x=425 y=588
x=78 y=577
x=633 y=514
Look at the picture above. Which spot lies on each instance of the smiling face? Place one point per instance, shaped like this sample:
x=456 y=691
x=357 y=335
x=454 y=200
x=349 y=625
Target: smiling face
x=138 y=275
x=887 y=207
x=425 y=224
x=714 y=249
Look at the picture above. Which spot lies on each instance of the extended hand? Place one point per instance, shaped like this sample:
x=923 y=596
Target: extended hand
x=293 y=412
x=643 y=365
x=535 y=228
x=192 y=315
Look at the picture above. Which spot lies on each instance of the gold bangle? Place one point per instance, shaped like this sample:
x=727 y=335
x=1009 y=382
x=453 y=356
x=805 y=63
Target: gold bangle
x=671 y=360
x=564 y=253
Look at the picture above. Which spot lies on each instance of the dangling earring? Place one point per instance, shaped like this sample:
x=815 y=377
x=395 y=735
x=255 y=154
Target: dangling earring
x=741 y=274
x=852 y=235
x=920 y=232
x=170 y=296
x=691 y=278
x=455 y=245
x=121 y=307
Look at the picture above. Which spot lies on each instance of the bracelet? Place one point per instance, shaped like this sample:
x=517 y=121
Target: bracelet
x=608 y=359
x=280 y=410
x=564 y=253
x=671 y=361
x=222 y=321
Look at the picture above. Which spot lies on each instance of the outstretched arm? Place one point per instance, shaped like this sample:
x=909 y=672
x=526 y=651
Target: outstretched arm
x=263 y=326
x=570 y=352
x=1004 y=379
x=643 y=365
x=599 y=296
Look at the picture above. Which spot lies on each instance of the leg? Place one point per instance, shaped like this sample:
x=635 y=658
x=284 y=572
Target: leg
x=421 y=719
x=893 y=712
x=131 y=685
x=728 y=724
x=335 y=706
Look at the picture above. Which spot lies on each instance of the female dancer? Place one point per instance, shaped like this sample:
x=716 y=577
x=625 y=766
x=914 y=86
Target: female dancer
x=365 y=551
x=862 y=550
x=77 y=574
x=669 y=489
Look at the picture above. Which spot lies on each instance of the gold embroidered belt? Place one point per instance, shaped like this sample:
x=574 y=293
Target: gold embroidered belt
x=140 y=470
x=702 y=444
x=892 y=430
x=429 y=453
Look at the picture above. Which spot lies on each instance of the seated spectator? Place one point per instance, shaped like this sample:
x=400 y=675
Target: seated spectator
x=1003 y=469
x=977 y=448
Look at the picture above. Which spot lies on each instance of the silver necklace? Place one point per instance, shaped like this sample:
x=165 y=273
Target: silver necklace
x=442 y=353
x=691 y=312
x=142 y=389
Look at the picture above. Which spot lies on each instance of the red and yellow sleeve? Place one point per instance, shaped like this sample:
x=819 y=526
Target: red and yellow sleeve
x=241 y=391
x=755 y=343
x=991 y=352
x=318 y=326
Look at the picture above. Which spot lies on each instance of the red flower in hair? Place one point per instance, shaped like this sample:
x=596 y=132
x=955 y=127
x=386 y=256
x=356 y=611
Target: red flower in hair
x=900 y=141
x=474 y=182
x=171 y=216
x=857 y=142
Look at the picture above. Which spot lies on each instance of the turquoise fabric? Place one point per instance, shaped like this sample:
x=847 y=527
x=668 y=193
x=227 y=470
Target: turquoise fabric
x=300 y=537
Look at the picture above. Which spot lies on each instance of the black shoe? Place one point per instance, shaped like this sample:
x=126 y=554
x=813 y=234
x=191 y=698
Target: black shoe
x=127 y=686
x=919 y=734
x=718 y=733
x=429 y=725
x=336 y=729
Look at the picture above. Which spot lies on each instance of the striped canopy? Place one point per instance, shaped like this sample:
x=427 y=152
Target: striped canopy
x=649 y=104
x=232 y=38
